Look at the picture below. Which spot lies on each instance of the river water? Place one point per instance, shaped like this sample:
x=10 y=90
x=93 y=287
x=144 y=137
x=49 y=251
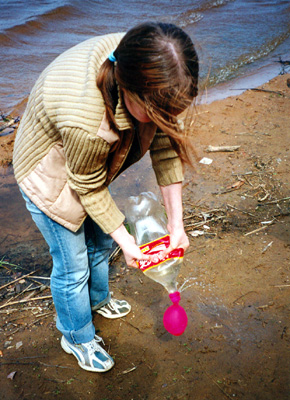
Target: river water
x=233 y=37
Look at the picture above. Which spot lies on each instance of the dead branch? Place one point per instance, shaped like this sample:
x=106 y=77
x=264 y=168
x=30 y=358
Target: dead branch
x=275 y=201
x=280 y=286
x=267 y=247
x=114 y=254
x=133 y=326
x=16 y=280
x=220 y=388
x=214 y=149
x=242 y=211
x=26 y=300
x=257 y=230
x=243 y=295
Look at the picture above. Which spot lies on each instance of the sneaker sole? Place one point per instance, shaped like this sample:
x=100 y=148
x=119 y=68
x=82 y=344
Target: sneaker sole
x=67 y=349
x=112 y=316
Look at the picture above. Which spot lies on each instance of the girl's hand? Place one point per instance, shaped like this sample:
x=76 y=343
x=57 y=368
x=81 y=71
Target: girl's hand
x=178 y=239
x=131 y=251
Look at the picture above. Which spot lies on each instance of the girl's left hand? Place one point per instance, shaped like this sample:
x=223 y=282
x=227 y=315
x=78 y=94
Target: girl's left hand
x=178 y=239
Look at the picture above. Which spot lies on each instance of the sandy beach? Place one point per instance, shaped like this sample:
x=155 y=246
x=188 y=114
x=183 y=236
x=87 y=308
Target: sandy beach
x=237 y=274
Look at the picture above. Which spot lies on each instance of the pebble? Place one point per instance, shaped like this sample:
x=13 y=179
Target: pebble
x=18 y=345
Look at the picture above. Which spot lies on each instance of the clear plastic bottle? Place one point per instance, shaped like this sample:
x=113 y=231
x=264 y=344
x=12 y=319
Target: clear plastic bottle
x=148 y=224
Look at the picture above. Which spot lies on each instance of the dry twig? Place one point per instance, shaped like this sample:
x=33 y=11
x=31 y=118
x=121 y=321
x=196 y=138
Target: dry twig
x=16 y=280
x=243 y=295
x=257 y=230
x=215 y=149
x=26 y=300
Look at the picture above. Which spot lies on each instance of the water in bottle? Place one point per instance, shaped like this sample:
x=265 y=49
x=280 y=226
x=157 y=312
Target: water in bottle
x=148 y=224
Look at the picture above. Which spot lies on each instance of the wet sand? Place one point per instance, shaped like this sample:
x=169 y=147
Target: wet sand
x=237 y=341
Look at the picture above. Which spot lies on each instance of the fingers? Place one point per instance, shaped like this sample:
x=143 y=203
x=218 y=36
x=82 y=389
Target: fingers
x=177 y=243
x=131 y=259
x=132 y=264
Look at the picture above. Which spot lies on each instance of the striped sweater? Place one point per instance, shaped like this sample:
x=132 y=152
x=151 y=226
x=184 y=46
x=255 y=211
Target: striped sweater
x=65 y=154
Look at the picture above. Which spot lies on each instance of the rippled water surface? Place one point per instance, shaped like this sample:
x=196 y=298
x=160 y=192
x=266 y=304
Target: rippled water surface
x=233 y=37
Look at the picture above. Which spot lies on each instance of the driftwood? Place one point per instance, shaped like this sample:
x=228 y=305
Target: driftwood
x=212 y=149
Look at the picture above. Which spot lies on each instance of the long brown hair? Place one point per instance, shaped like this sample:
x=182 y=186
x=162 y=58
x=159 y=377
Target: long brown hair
x=158 y=67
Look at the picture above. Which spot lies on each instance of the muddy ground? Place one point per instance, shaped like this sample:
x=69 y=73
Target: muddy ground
x=237 y=343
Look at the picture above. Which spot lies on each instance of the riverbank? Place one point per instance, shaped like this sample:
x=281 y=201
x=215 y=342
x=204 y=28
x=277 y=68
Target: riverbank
x=237 y=343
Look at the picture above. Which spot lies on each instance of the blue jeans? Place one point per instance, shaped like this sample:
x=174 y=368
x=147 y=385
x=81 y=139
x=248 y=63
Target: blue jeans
x=80 y=272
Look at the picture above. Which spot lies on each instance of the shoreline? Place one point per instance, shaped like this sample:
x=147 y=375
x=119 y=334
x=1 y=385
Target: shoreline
x=237 y=86
x=231 y=89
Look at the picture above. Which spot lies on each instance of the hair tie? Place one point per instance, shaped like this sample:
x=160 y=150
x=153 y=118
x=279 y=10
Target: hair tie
x=111 y=57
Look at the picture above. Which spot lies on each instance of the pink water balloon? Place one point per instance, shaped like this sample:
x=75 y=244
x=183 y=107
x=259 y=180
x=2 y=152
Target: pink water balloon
x=175 y=318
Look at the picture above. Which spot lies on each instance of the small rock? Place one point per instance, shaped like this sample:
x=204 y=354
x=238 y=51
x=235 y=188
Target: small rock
x=18 y=345
x=11 y=375
x=6 y=131
x=206 y=161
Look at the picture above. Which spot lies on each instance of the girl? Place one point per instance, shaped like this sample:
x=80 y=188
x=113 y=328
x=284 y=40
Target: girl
x=93 y=112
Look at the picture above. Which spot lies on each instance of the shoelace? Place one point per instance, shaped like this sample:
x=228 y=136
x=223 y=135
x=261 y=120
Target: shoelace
x=93 y=345
x=113 y=305
x=99 y=339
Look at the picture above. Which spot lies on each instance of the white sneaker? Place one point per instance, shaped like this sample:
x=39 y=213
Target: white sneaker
x=114 y=309
x=91 y=356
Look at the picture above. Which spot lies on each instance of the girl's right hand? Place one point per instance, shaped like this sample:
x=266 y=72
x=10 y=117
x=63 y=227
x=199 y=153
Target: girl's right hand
x=131 y=251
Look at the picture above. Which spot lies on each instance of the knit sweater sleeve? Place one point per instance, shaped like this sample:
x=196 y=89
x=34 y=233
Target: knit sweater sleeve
x=165 y=161
x=86 y=166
